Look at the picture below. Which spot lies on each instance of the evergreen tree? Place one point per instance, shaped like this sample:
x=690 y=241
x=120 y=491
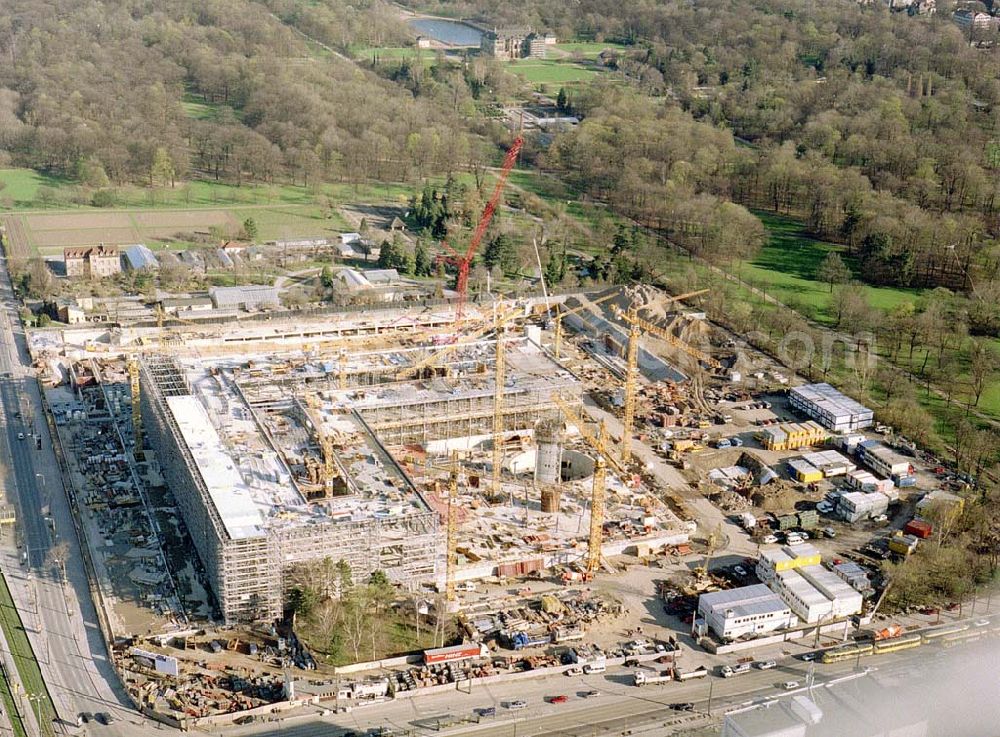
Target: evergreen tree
x=621 y=241
x=562 y=100
x=422 y=265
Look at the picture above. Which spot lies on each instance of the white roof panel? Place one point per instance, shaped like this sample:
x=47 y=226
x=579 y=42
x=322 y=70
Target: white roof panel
x=229 y=494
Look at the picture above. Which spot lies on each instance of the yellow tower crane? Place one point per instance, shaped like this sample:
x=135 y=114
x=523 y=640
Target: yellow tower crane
x=599 y=443
x=133 y=375
x=636 y=327
x=329 y=472
x=557 y=345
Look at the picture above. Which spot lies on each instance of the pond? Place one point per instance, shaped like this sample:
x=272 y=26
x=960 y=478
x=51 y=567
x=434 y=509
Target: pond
x=447 y=31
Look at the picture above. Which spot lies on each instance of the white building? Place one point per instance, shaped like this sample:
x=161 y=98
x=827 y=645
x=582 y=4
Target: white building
x=807 y=602
x=748 y=610
x=831 y=408
x=855 y=505
x=245 y=298
x=773 y=560
x=830 y=462
x=845 y=601
x=882 y=459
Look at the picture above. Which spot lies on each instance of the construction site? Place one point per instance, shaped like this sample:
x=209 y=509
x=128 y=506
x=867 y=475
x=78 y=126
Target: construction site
x=439 y=453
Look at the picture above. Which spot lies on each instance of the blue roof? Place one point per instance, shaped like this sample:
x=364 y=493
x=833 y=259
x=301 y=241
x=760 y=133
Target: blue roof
x=140 y=257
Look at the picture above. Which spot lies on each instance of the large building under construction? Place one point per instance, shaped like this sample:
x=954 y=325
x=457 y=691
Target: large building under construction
x=280 y=457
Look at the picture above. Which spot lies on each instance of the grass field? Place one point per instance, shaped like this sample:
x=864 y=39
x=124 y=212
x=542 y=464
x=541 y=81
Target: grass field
x=554 y=71
x=786 y=268
x=24 y=658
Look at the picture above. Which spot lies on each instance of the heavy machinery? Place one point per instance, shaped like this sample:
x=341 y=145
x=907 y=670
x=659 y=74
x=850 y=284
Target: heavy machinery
x=636 y=327
x=464 y=261
x=602 y=458
x=561 y=314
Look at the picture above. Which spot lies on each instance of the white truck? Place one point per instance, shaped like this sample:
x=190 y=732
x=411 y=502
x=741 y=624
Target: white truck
x=598 y=665
x=650 y=677
x=728 y=671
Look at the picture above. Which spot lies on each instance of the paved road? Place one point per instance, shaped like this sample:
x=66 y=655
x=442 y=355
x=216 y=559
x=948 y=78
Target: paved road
x=59 y=617
x=621 y=707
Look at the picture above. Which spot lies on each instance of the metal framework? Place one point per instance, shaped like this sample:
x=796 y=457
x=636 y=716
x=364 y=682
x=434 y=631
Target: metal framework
x=599 y=443
x=499 y=382
x=636 y=326
x=557 y=348
x=133 y=376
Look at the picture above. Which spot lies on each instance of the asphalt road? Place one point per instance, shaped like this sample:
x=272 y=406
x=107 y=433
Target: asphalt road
x=59 y=616
x=620 y=708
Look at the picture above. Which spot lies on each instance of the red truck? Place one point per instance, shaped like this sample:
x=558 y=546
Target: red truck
x=455 y=652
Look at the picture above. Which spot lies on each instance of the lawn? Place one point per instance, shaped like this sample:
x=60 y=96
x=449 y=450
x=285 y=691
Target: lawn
x=786 y=267
x=554 y=71
x=197 y=108
x=591 y=49
x=21 y=186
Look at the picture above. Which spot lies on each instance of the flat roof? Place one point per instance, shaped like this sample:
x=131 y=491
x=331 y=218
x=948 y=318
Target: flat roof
x=802 y=588
x=230 y=495
x=744 y=601
x=824 y=396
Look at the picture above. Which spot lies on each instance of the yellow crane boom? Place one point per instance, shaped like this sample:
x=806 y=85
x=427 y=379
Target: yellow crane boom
x=132 y=364
x=599 y=443
x=467 y=339
x=636 y=327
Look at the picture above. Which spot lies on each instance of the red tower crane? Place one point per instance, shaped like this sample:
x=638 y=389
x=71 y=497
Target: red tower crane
x=463 y=262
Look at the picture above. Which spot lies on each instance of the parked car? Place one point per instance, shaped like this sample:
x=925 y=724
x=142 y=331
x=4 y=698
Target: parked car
x=829 y=532
x=590 y=694
x=766 y=664
x=517 y=704
x=790 y=685
x=488 y=711
x=683 y=706
x=880 y=518
x=769 y=539
x=103 y=717
x=560 y=699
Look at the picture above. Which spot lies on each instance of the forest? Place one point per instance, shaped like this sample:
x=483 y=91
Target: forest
x=100 y=92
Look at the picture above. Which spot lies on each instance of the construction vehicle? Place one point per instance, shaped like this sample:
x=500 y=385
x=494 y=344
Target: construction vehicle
x=728 y=671
x=636 y=327
x=650 y=678
x=887 y=633
x=464 y=261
